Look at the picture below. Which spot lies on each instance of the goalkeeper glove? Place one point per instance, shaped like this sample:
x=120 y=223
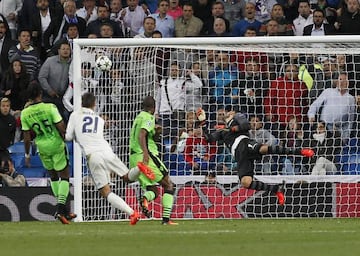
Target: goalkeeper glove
x=201 y=116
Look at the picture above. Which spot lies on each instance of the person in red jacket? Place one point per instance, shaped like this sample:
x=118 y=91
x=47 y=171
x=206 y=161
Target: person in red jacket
x=287 y=97
x=199 y=153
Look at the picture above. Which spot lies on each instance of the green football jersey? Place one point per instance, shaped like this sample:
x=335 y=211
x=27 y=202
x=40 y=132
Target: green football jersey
x=41 y=119
x=144 y=120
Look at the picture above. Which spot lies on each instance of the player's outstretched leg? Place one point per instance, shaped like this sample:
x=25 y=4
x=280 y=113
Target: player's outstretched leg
x=144 y=204
x=257 y=185
x=280 y=150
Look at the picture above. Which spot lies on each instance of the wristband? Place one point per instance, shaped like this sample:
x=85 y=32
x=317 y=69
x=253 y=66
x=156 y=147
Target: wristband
x=27 y=155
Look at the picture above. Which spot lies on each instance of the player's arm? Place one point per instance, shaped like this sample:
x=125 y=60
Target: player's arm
x=209 y=136
x=27 y=145
x=70 y=129
x=61 y=128
x=142 y=140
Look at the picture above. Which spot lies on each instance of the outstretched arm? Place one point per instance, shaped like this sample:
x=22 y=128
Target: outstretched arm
x=209 y=136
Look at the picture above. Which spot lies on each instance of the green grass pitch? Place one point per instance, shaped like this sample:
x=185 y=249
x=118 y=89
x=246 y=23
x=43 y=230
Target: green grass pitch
x=283 y=237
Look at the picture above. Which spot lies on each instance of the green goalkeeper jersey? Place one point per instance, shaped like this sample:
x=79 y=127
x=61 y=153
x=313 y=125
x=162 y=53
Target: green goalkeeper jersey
x=41 y=119
x=144 y=120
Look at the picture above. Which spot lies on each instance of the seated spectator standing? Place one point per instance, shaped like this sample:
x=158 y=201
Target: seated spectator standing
x=133 y=17
x=103 y=17
x=9 y=177
x=319 y=28
x=170 y=104
x=305 y=17
x=54 y=77
x=337 y=106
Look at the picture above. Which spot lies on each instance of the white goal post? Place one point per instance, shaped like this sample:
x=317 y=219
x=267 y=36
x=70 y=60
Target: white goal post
x=308 y=195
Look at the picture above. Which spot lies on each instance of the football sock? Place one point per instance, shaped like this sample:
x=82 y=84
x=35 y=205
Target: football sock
x=134 y=173
x=280 y=150
x=55 y=187
x=117 y=202
x=63 y=191
x=258 y=185
x=167 y=203
x=149 y=195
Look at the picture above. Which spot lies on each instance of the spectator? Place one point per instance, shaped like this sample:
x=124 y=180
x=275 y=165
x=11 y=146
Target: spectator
x=287 y=98
x=133 y=17
x=272 y=28
x=7 y=124
x=293 y=137
x=254 y=85
x=10 y=9
x=27 y=54
x=164 y=22
x=9 y=177
x=5 y=44
x=304 y=19
x=175 y=10
x=14 y=85
x=106 y=31
x=202 y=9
x=54 y=78
x=248 y=21
x=223 y=83
x=115 y=11
x=40 y=24
x=88 y=12
x=170 y=103
x=57 y=28
x=263 y=9
x=199 y=154
x=319 y=28
x=284 y=26
x=220 y=28
x=327 y=145
x=250 y=32
x=337 y=106
x=349 y=20
x=71 y=34
x=188 y=25
x=148 y=28
x=103 y=16
x=262 y=136
x=193 y=87
x=217 y=11
x=234 y=11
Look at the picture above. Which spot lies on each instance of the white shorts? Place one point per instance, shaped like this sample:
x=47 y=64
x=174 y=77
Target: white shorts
x=101 y=164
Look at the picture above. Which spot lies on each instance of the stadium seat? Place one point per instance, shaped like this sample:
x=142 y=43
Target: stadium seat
x=350 y=164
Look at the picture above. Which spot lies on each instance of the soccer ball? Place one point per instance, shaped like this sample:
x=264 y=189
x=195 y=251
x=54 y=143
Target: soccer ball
x=103 y=63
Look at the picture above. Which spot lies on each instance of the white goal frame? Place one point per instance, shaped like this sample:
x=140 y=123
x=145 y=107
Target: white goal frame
x=246 y=44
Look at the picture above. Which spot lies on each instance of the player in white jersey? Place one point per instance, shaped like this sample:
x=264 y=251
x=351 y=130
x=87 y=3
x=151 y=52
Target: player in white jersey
x=87 y=128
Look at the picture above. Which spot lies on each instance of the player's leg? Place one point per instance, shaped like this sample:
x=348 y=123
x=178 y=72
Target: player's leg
x=280 y=150
x=245 y=153
x=101 y=176
x=117 y=166
x=167 y=200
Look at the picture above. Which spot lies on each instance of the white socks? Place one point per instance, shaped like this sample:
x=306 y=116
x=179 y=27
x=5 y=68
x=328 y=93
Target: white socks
x=117 y=202
x=134 y=173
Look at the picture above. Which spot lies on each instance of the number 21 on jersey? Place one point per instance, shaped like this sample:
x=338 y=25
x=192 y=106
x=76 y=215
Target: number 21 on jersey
x=90 y=124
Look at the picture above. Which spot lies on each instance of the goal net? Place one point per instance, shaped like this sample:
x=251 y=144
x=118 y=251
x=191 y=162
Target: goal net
x=296 y=92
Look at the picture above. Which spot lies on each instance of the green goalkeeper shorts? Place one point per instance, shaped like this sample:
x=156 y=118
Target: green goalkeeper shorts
x=156 y=165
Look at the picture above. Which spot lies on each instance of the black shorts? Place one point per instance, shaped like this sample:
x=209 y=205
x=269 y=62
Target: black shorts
x=246 y=153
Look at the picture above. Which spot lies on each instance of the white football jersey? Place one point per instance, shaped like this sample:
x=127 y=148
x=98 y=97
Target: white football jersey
x=87 y=128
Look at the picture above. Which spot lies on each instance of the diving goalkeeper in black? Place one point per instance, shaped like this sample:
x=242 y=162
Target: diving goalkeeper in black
x=245 y=151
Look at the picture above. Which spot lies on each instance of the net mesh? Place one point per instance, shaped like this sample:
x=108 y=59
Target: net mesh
x=278 y=86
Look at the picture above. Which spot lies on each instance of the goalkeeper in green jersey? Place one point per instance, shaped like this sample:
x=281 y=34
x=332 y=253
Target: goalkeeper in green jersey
x=144 y=149
x=45 y=121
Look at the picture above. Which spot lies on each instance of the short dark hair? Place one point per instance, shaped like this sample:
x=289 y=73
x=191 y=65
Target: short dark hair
x=88 y=100
x=34 y=90
x=156 y=32
x=148 y=103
